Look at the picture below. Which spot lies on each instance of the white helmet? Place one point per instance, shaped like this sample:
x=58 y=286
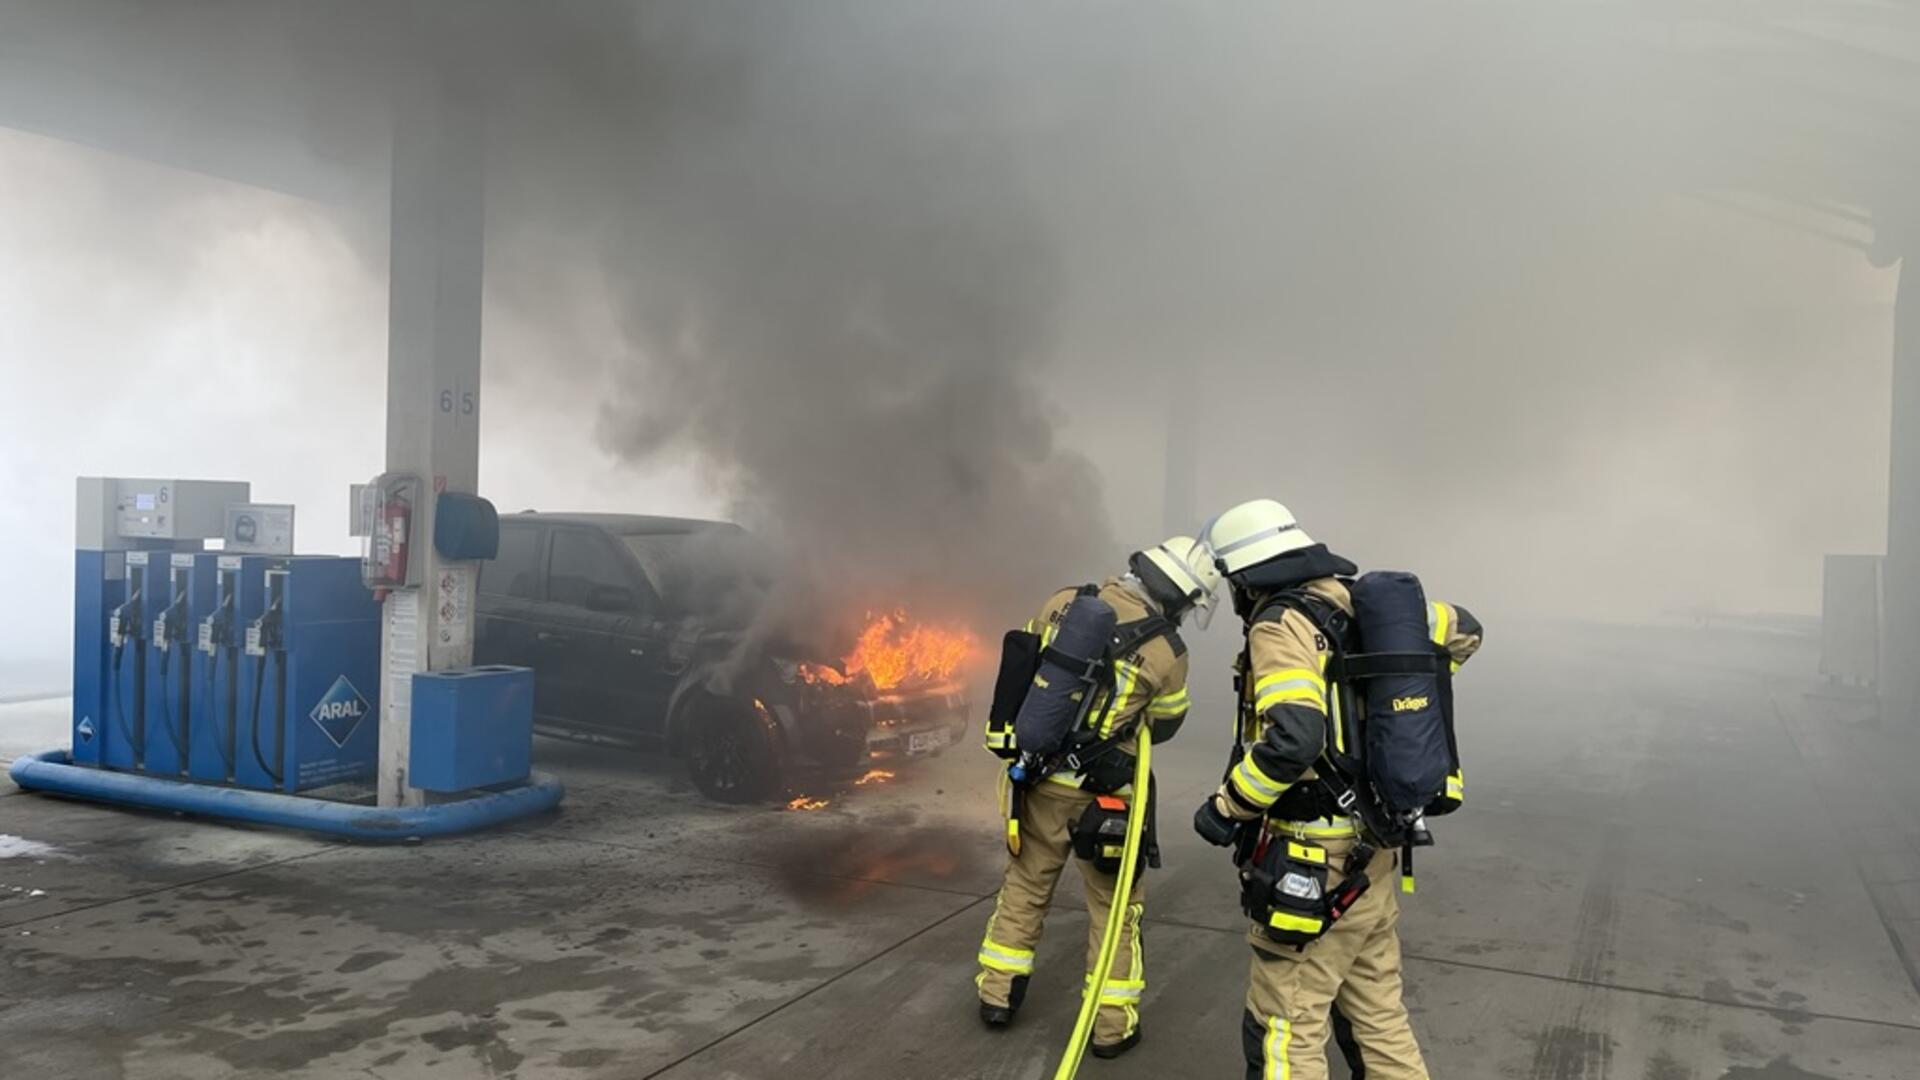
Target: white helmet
x=1250 y=534
x=1186 y=564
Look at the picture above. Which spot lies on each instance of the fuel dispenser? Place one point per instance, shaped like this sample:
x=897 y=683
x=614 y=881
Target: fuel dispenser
x=309 y=677
x=233 y=601
x=179 y=592
x=203 y=680
x=126 y=531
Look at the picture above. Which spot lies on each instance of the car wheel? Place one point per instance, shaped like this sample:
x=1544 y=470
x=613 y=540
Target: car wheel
x=731 y=755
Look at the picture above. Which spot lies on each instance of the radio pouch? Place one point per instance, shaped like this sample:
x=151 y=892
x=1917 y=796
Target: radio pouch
x=1100 y=836
x=1285 y=891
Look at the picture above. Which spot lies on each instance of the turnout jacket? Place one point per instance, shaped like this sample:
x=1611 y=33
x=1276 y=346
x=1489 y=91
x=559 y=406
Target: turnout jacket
x=1293 y=715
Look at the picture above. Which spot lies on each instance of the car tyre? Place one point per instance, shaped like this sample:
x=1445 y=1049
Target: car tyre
x=731 y=755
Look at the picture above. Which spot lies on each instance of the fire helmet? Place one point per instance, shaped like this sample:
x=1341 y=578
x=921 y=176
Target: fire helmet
x=1185 y=564
x=1249 y=534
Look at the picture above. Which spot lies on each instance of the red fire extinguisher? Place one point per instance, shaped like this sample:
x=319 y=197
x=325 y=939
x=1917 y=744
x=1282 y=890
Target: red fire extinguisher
x=386 y=564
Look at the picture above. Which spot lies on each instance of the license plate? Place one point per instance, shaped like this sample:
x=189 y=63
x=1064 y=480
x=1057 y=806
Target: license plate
x=926 y=742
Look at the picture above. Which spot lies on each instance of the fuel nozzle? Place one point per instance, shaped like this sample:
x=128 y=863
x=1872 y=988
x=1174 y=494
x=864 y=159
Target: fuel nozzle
x=124 y=623
x=263 y=634
x=216 y=630
x=170 y=625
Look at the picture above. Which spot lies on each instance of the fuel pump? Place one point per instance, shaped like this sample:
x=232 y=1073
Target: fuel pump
x=217 y=643
x=171 y=689
x=126 y=632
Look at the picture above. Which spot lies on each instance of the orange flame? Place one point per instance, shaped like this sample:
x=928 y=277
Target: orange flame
x=874 y=776
x=893 y=649
x=804 y=803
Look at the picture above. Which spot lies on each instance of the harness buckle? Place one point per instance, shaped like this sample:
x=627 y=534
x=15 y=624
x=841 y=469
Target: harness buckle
x=1346 y=800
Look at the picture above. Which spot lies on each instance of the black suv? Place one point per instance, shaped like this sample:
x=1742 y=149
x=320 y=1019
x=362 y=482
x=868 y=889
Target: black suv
x=635 y=629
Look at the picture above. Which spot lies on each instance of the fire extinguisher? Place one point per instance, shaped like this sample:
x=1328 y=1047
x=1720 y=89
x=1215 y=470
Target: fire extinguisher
x=388 y=556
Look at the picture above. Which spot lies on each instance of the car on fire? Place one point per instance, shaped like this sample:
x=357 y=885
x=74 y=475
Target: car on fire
x=641 y=630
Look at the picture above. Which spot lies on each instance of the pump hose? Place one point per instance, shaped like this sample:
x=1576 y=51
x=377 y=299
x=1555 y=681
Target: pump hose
x=1116 y=916
x=119 y=695
x=259 y=682
x=214 y=710
x=176 y=729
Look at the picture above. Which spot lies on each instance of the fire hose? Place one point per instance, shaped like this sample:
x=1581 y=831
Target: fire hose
x=1116 y=917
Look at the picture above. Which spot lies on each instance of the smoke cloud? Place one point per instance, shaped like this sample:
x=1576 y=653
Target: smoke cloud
x=1564 y=306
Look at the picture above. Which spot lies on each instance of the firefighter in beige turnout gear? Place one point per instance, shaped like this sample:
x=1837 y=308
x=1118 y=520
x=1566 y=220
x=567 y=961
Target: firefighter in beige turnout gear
x=1353 y=972
x=1149 y=693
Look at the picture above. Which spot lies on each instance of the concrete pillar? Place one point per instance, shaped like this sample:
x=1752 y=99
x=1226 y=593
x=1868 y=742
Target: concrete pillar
x=437 y=228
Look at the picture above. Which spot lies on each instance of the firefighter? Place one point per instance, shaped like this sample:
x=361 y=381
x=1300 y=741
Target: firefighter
x=1149 y=689
x=1350 y=977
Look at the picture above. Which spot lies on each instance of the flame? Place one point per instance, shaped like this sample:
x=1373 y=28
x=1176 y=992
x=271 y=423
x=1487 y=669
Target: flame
x=874 y=776
x=804 y=803
x=893 y=649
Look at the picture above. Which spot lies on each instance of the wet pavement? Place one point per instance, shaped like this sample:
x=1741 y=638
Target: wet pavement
x=1681 y=859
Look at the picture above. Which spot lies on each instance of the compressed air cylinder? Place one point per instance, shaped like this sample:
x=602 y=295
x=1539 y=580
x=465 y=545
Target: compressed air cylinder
x=1059 y=695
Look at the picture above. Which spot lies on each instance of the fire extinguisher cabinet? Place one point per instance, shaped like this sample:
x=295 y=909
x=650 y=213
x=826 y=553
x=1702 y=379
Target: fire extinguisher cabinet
x=472 y=728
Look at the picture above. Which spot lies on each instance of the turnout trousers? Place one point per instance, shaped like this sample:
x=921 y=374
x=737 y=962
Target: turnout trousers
x=1048 y=813
x=1292 y=993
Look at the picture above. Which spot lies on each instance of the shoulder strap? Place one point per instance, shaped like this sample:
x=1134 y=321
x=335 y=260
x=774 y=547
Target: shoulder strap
x=1129 y=636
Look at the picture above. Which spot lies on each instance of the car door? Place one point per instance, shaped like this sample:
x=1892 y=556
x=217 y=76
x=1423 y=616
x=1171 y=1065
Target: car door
x=590 y=594
x=510 y=592
x=642 y=668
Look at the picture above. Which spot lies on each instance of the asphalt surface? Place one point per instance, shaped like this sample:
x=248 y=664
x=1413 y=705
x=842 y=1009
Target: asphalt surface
x=1680 y=860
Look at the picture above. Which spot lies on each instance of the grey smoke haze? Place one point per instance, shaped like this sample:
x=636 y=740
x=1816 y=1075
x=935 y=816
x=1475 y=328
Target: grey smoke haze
x=921 y=287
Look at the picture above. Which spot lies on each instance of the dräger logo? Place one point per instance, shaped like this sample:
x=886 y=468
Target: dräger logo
x=340 y=711
x=1409 y=704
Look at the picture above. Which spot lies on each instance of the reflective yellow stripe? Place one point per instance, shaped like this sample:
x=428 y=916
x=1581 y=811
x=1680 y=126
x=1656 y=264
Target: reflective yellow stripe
x=1126 y=681
x=1170 y=704
x=999 y=740
x=1259 y=788
x=1439 y=617
x=1001 y=958
x=1305 y=695
x=1307 y=854
x=1456 y=786
x=1279 y=1035
x=1121 y=991
x=1319 y=829
x=1282 y=920
x=1289 y=676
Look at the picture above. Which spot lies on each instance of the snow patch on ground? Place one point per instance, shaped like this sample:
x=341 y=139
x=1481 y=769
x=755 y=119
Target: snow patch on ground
x=19 y=847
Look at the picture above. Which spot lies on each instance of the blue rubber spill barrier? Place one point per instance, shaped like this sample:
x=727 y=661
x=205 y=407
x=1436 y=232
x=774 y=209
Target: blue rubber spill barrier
x=54 y=771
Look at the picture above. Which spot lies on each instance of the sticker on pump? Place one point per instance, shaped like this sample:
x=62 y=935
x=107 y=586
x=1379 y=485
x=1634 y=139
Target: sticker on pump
x=206 y=637
x=340 y=711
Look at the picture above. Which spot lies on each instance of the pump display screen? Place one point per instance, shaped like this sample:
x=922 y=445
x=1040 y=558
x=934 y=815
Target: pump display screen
x=143 y=501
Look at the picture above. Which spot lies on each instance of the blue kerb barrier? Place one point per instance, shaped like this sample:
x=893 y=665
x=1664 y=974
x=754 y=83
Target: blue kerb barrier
x=54 y=771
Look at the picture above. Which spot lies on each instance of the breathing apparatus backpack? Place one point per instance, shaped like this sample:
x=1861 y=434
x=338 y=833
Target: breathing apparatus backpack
x=1394 y=687
x=1050 y=701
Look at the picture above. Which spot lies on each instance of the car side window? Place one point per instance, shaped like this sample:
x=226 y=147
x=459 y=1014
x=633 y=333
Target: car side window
x=515 y=570
x=581 y=562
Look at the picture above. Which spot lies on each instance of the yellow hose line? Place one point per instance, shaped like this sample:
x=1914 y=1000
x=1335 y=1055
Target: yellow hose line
x=1116 y=916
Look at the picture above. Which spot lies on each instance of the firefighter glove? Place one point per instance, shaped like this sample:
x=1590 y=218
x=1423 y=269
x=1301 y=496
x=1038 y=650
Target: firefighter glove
x=1214 y=827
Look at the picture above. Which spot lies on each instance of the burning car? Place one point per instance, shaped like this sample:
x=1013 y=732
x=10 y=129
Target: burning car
x=650 y=630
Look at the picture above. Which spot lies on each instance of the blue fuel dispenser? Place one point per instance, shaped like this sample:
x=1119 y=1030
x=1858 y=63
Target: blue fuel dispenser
x=179 y=594
x=309 y=686
x=223 y=683
x=233 y=601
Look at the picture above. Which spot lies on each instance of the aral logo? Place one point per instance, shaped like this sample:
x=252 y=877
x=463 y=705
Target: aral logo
x=1409 y=704
x=339 y=713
